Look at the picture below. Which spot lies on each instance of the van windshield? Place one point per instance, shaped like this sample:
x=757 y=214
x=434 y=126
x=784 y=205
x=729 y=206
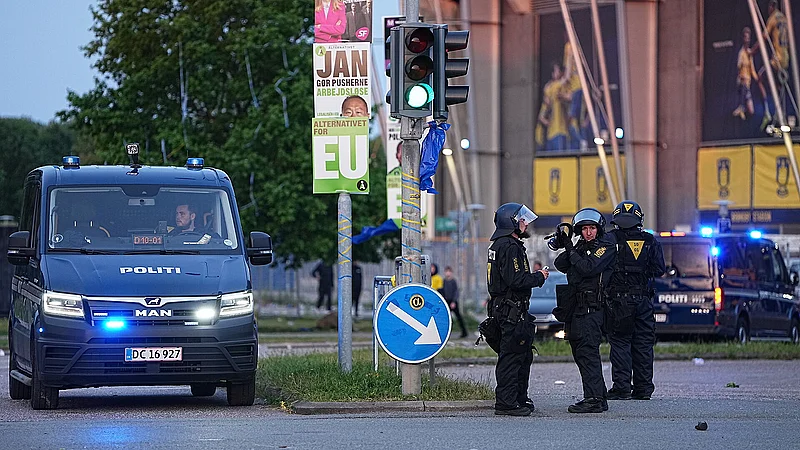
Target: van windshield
x=141 y=219
x=687 y=259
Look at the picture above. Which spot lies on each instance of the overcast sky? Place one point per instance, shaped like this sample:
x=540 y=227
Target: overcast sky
x=40 y=56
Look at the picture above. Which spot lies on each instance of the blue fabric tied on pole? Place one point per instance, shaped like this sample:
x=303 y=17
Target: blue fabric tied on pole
x=370 y=232
x=429 y=159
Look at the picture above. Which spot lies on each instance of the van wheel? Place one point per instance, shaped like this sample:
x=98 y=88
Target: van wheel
x=742 y=331
x=794 y=332
x=42 y=397
x=242 y=394
x=204 y=389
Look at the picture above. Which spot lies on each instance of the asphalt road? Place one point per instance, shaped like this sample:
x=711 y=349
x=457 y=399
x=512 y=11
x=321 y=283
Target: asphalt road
x=763 y=412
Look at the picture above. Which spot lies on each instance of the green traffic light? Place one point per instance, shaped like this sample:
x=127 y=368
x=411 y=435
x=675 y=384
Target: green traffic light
x=419 y=95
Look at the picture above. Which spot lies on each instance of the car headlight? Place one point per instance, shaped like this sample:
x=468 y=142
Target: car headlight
x=236 y=304
x=64 y=305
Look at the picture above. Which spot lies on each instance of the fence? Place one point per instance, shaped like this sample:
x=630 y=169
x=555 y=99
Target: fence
x=296 y=290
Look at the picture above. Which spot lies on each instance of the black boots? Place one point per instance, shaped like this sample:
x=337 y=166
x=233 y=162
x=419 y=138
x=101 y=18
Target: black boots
x=588 y=405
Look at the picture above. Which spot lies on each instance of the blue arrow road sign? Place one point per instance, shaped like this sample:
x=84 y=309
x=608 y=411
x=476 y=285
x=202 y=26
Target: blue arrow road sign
x=412 y=323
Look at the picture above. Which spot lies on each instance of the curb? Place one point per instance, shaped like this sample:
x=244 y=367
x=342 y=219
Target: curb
x=310 y=408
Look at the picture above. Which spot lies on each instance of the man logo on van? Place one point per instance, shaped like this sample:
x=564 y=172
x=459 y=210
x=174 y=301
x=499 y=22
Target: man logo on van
x=149 y=270
x=154 y=313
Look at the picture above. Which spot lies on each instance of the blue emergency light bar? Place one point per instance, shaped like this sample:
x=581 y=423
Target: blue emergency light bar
x=195 y=163
x=755 y=234
x=114 y=324
x=71 y=161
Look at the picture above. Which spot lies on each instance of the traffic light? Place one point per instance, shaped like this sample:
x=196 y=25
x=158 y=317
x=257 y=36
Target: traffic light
x=410 y=69
x=445 y=41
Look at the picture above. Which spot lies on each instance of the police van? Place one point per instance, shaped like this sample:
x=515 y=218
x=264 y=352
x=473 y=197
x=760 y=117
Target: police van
x=729 y=285
x=132 y=275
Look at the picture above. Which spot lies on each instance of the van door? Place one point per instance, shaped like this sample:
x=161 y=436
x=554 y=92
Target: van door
x=763 y=309
x=783 y=295
x=27 y=278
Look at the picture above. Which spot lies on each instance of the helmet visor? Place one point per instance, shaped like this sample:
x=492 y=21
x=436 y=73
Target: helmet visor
x=525 y=215
x=587 y=215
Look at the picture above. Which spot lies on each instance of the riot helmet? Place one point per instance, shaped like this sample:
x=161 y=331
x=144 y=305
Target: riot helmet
x=507 y=219
x=628 y=214
x=588 y=216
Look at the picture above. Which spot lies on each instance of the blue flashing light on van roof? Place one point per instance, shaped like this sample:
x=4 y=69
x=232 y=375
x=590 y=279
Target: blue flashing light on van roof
x=71 y=161
x=714 y=251
x=706 y=231
x=195 y=163
x=755 y=234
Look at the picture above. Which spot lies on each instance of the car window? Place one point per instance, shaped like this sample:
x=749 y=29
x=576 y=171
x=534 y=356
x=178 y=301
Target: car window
x=759 y=259
x=687 y=259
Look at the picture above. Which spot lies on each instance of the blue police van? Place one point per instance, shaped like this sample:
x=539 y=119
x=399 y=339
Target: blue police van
x=132 y=275
x=730 y=285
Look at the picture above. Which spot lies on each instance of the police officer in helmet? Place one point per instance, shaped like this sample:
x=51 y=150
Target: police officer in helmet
x=587 y=265
x=510 y=281
x=629 y=320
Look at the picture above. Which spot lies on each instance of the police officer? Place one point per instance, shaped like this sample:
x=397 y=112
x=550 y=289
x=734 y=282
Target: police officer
x=510 y=282
x=587 y=265
x=631 y=325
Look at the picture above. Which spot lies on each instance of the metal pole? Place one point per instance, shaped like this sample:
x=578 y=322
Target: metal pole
x=612 y=127
x=787 y=138
x=411 y=234
x=345 y=285
x=787 y=11
x=587 y=97
x=625 y=95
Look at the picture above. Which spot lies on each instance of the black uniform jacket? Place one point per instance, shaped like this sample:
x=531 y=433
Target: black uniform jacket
x=508 y=271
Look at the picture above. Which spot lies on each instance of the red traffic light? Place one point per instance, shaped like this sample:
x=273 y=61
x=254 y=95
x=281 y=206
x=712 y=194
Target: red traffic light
x=419 y=40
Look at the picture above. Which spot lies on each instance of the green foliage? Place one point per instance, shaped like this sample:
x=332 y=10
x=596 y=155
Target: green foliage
x=24 y=146
x=316 y=377
x=175 y=74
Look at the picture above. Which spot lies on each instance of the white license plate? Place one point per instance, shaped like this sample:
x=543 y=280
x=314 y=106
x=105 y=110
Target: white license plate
x=661 y=318
x=153 y=354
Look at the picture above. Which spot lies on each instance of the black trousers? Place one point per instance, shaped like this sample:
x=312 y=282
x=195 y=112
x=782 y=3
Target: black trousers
x=460 y=319
x=632 y=352
x=324 y=293
x=512 y=371
x=585 y=333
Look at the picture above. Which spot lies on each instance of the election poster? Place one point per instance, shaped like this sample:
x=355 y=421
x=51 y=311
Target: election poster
x=341 y=80
x=340 y=155
x=342 y=21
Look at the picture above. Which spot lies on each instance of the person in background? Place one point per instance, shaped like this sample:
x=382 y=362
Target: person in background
x=323 y=272
x=437 y=282
x=450 y=293
x=357 y=285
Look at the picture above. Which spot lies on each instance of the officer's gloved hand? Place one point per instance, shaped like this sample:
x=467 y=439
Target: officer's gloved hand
x=566 y=241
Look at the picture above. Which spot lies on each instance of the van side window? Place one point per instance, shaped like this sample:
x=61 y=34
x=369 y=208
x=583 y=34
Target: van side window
x=778 y=268
x=760 y=261
x=30 y=211
x=731 y=259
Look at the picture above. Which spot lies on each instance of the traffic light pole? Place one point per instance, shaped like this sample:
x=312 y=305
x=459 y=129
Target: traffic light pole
x=411 y=234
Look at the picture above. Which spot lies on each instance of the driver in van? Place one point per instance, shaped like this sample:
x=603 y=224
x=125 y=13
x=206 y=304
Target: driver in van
x=185 y=216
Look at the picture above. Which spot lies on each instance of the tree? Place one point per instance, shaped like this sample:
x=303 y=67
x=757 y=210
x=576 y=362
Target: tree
x=24 y=146
x=230 y=81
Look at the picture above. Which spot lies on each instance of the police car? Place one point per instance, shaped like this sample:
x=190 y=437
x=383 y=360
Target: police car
x=731 y=285
x=132 y=275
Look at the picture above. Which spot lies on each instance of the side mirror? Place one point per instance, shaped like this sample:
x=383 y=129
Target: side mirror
x=19 y=251
x=794 y=278
x=260 y=250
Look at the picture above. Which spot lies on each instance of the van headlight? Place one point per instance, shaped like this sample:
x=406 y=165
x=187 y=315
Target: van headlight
x=236 y=304
x=64 y=305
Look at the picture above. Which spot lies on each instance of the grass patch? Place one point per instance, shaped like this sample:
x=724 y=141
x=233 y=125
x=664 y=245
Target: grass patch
x=732 y=350
x=316 y=377
x=278 y=324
